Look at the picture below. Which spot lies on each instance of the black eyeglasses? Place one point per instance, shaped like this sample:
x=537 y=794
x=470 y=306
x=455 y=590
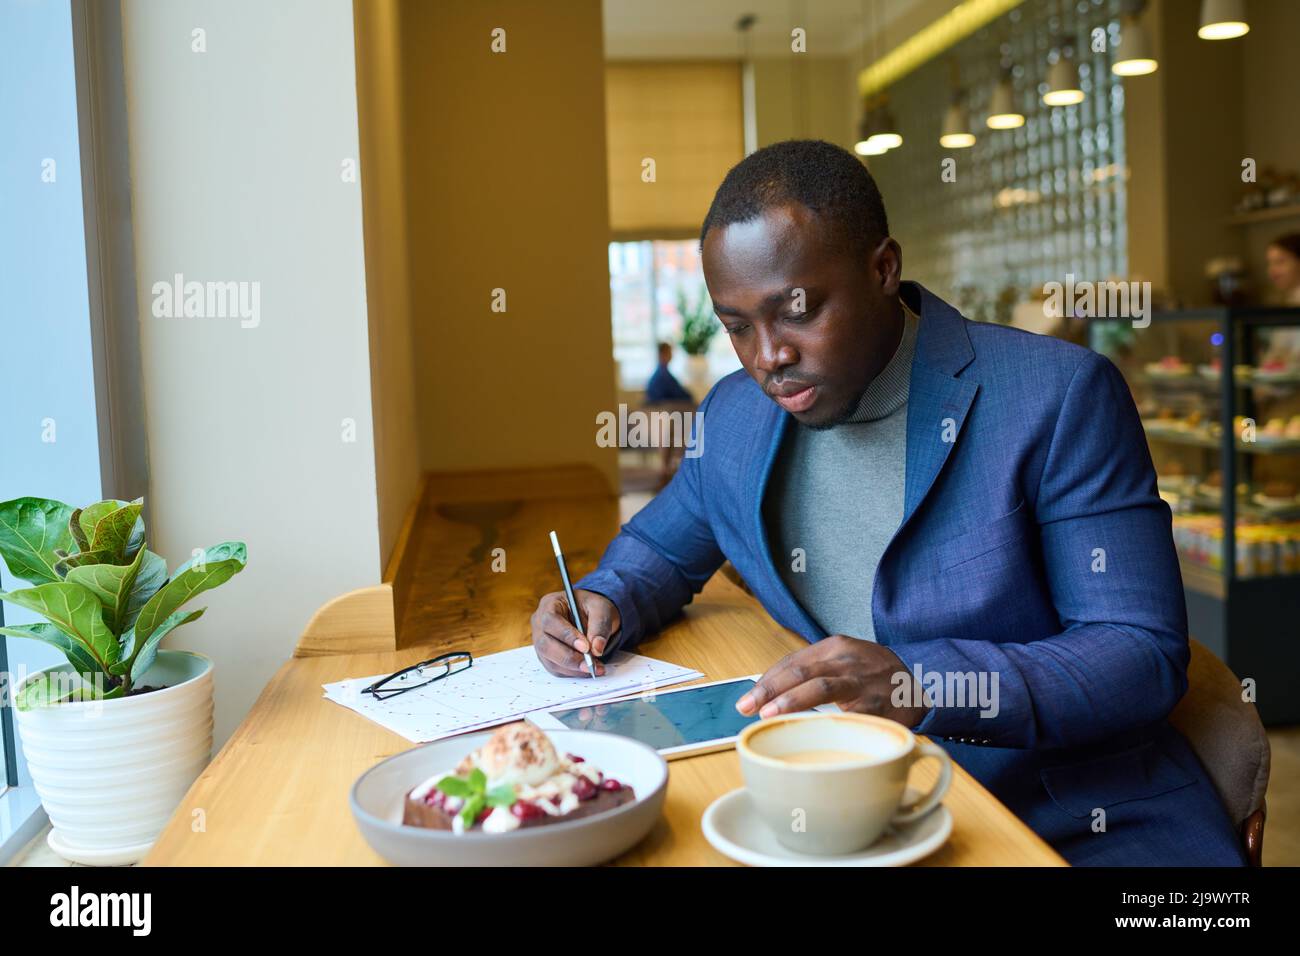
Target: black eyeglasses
x=420 y=675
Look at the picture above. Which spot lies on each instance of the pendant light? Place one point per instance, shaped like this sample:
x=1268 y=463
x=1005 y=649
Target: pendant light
x=866 y=128
x=956 y=127
x=956 y=121
x=1002 y=107
x=880 y=129
x=1222 y=20
x=886 y=134
x=1063 y=81
x=1135 y=53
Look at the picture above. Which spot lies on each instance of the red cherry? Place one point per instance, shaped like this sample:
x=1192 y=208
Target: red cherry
x=573 y=758
x=484 y=814
x=526 y=810
x=584 y=789
x=434 y=798
x=609 y=783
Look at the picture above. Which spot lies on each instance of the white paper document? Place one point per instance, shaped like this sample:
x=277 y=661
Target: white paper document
x=497 y=689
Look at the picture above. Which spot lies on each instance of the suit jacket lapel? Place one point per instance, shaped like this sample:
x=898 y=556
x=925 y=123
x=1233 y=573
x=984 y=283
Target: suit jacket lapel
x=936 y=411
x=938 y=401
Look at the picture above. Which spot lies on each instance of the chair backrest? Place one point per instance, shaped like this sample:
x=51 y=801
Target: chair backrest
x=1225 y=732
x=358 y=622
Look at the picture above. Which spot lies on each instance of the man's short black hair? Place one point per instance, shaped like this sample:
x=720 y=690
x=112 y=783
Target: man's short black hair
x=826 y=178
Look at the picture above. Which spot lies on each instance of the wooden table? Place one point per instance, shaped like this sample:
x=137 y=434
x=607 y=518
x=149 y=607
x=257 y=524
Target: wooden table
x=276 y=794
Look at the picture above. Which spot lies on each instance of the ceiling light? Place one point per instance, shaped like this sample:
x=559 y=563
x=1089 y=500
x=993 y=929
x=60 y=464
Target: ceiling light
x=1063 y=83
x=1135 y=57
x=885 y=134
x=1002 y=110
x=956 y=127
x=1222 y=20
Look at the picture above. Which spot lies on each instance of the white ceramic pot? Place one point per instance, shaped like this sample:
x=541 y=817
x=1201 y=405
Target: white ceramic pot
x=697 y=375
x=109 y=773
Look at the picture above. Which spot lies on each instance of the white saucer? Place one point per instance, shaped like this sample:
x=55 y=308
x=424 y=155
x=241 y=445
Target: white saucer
x=732 y=825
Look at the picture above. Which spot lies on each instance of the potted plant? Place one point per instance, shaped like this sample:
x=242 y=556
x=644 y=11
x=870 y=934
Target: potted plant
x=699 y=325
x=115 y=736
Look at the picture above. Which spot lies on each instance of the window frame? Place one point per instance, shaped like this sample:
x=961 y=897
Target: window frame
x=102 y=136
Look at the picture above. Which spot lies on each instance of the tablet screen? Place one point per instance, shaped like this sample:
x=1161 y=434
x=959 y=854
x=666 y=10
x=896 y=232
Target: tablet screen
x=692 y=716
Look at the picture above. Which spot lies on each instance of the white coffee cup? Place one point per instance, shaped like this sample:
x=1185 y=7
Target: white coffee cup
x=831 y=783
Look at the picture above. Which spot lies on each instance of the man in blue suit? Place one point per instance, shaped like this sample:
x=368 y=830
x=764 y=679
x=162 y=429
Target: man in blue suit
x=960 y=518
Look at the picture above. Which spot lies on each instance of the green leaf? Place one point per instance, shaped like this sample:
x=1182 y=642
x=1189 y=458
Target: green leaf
x=52 y=687
x=455 y=787
x=140 y=663
x=114 y=531
x=75 y=611
x=502 y=795
x=472 y=806
x=78 y=534
x=91 y=515
x=478 y=780
x=152 y=576
x=81 y=559
x=40 y=691
x=214 y=567
x=30 y=531
x=112 y=584
x=78 y=655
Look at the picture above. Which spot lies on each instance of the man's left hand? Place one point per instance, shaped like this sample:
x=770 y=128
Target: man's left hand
x=857 y=675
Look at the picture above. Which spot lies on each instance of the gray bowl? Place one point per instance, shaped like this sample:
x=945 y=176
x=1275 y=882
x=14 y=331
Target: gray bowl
x=378 y=796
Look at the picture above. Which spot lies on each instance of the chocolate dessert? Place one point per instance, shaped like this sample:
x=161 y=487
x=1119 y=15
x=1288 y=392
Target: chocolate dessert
x=515 y=780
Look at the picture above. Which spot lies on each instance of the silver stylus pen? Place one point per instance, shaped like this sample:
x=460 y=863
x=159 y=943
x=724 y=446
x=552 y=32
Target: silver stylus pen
x=573 y=601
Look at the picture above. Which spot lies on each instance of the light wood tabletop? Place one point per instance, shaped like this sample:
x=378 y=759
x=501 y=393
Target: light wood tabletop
x=277 y=793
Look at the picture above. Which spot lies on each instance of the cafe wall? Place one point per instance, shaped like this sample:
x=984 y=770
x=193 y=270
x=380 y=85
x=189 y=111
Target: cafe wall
x=257 y=430
x=1023 y=206
x=1271 y=114
x=1190 y=125
x=804 y=97
x=388 y=293
x=505 y=166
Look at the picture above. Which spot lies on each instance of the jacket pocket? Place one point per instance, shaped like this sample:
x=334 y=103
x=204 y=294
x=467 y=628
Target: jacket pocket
x=1137 y=774
x=998 y=533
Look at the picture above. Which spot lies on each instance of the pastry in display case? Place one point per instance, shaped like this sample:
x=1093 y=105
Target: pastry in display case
x=1227 y=455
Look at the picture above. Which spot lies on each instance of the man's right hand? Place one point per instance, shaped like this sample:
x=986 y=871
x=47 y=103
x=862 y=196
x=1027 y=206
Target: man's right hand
x=560 y=645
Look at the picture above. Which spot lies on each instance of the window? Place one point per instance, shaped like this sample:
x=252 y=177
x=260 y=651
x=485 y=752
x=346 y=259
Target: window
x=49 y=425
x=8 y=754
x=645 y=279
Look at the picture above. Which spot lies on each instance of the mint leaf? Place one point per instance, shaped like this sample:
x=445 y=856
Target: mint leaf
x=472 y=807
x=501 y=796
x=478 y=780
x=455 y=787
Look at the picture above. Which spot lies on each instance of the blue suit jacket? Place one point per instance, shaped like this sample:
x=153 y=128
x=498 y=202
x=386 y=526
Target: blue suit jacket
x=1026 y=468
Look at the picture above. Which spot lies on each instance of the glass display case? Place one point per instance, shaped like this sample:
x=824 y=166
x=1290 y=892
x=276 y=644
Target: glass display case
x=1218 y=391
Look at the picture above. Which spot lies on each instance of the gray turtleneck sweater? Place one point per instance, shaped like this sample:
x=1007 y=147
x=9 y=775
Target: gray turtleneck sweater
x=836 y=499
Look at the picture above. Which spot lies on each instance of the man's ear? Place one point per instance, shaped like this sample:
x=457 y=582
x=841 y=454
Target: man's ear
x=887 y=265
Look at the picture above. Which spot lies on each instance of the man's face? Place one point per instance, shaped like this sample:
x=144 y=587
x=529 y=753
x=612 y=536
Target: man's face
x=814 y=361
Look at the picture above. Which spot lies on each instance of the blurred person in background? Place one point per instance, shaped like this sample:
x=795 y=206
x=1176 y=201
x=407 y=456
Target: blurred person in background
x=664 y=393
x=1284 y=267
x=1283 y=258
x=663 y=385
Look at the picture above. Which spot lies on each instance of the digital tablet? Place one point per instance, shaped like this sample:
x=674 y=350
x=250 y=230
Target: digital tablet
x=679 y=722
